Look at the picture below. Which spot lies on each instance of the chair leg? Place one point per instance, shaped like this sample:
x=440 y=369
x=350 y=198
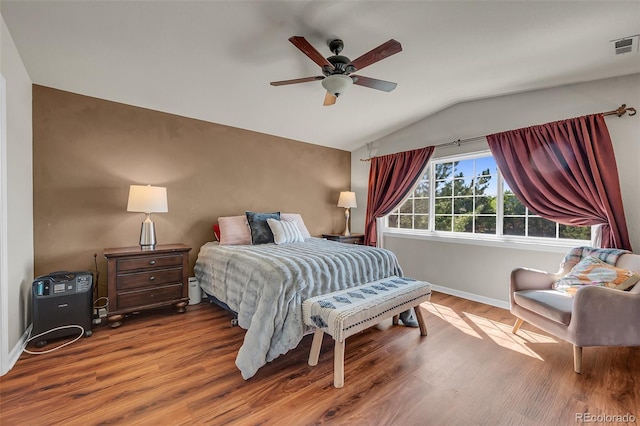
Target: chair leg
x=314 y=354
x=517 y=325
x=338 y=364
x=421 y=321
x=577 y=358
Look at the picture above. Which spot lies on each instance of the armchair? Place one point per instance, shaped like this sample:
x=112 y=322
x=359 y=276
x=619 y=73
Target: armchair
x=595 y=316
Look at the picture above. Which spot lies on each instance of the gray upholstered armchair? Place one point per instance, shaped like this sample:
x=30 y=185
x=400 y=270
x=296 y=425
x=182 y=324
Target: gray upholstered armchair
x=596 y=316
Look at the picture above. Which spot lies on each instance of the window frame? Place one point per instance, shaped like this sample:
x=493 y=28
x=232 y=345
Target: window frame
x=498 y=239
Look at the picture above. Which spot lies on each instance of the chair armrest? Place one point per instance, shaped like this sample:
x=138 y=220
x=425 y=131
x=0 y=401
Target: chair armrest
x=606 y=317
x=529 y=279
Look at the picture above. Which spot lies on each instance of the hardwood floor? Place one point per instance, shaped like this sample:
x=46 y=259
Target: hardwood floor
x=161 y=367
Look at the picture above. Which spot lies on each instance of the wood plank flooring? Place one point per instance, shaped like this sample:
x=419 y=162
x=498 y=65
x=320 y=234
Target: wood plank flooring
x=163 y=368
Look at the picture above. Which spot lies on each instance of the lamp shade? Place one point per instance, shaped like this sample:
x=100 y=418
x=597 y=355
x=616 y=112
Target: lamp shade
x=147 y=199
x=347 y=199
x=336 y=84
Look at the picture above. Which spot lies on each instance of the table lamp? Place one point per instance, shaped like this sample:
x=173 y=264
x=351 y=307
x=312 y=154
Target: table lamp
x=347 y=200
x=147 y=199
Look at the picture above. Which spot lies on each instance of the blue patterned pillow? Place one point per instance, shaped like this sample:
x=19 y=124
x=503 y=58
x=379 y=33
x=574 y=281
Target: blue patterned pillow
x=260 y=231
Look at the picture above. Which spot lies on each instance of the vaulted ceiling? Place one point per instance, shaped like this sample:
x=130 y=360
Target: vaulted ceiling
x=213 y=60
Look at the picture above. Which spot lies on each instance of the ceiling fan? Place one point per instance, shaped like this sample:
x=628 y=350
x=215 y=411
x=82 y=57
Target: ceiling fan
x=337 y=69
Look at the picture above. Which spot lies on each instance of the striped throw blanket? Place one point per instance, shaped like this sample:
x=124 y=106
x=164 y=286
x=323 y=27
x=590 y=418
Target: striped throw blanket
x=266 y=285
x=607 y=255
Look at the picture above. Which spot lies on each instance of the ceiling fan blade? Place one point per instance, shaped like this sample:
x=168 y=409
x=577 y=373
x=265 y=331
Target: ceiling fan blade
x=329 y=99
x=297 y=80
x=306 y=48
x=374 y=83
x=383 y=51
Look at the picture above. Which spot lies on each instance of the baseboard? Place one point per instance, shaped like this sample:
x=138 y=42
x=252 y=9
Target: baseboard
x=15 y=353
x=471 y=296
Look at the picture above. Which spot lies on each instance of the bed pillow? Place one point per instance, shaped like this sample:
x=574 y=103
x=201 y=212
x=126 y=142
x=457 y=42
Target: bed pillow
x=260 y=231
x=297 y=218
x=216 y=231
x=285 y=231
x=592 y=271
x=234 y=230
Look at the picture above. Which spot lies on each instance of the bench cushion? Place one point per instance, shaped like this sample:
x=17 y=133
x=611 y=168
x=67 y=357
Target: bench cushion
x=346 y=312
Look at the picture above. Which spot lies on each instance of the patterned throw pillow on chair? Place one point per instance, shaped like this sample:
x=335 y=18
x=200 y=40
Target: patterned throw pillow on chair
x=592 y=271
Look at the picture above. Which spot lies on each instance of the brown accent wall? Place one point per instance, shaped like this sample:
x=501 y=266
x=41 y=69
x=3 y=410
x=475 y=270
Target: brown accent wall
x=87 y=151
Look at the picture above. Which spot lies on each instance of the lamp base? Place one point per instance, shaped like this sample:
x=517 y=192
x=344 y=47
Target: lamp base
x=346 y=232
x=148 y=235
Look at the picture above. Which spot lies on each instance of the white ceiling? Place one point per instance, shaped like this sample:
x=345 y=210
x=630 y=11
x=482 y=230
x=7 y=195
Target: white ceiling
x=213 y=60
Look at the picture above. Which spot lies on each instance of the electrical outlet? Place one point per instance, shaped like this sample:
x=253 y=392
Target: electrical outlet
x=102 y=313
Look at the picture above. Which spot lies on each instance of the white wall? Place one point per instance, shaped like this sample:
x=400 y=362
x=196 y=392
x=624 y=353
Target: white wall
x=19 y=176
x=483 y=270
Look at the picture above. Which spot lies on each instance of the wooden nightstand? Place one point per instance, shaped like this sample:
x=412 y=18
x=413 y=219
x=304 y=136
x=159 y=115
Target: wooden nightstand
x=144 y=279
x=351 y=239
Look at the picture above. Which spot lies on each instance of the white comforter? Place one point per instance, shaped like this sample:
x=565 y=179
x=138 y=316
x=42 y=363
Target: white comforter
x=266 y=285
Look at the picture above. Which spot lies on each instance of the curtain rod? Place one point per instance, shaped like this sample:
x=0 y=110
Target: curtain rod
x=619 y=112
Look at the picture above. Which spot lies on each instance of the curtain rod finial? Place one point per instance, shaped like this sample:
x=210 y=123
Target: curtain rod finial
x=623 y=108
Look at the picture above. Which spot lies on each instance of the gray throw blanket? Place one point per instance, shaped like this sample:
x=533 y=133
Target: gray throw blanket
x=266 y=285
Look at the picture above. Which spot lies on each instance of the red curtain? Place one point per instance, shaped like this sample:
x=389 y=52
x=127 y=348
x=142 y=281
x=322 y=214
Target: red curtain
x=391 y=177
x=566 y=172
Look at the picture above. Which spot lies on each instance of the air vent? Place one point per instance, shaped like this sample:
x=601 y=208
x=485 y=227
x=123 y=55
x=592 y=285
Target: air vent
x=625 y=45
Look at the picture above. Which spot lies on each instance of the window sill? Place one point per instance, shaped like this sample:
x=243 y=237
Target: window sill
x=535 y=244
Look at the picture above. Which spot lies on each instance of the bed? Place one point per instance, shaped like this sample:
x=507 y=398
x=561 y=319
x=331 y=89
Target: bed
x=266 y=284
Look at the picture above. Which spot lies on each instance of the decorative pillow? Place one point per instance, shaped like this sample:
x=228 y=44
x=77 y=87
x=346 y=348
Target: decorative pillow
x=260 y=231
x=297 y=218
x=285 y=231
x=216 y=231
x=592 y=271
x=234 y=230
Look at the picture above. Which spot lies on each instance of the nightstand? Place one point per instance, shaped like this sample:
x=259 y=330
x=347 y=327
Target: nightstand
x=351 y=239
x=144 y=279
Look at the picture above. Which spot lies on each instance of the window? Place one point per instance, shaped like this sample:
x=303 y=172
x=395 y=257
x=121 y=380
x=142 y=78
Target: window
x=467 y=195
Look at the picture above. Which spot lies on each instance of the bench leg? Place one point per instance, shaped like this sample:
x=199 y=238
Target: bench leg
x=314 y=354
x=421 y=321
x=396 y=319
x=338 y=364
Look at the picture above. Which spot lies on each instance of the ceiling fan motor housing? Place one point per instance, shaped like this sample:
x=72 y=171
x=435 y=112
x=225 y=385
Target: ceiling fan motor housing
x=341 y=64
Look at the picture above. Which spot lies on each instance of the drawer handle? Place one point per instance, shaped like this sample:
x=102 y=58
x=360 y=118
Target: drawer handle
x=152 y=262
x=151 y=278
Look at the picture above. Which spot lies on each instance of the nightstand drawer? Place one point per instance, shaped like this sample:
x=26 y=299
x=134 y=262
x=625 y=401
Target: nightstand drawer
x=142 y=279
x=148 y=262
x=152 y=295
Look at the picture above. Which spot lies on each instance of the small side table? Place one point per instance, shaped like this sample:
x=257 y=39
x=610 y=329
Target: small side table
x=144 y=279
x=351 y=239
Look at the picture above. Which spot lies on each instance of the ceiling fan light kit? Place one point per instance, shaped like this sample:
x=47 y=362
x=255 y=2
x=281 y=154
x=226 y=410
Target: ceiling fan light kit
x=337 y=69
x=336 y=84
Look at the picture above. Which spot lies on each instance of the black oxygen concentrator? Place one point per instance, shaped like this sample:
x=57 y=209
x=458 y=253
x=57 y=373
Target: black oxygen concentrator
x=61 y=299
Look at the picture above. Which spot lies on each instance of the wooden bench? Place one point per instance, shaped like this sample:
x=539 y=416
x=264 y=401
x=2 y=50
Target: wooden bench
x=346 y=312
